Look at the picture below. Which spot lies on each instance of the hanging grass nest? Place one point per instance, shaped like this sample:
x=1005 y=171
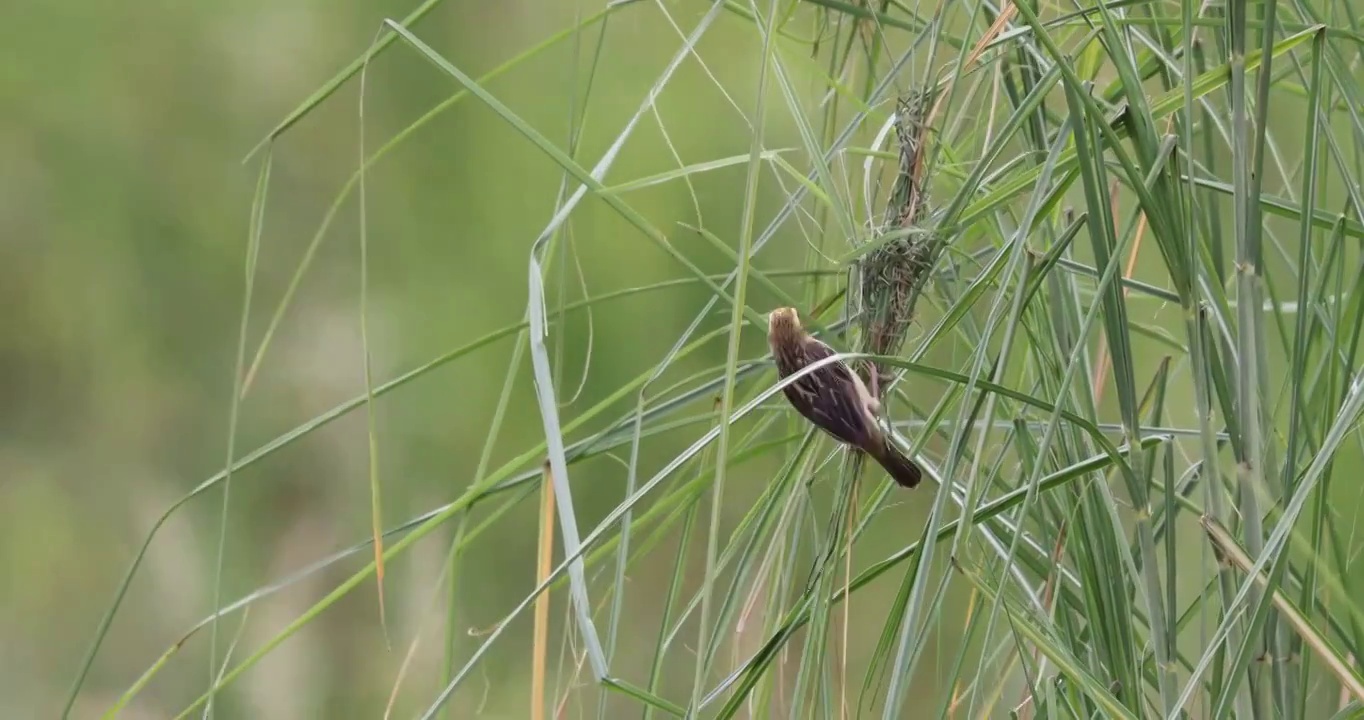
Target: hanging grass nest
x=892 y=274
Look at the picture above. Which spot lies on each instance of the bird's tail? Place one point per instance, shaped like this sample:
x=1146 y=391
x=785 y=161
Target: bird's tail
x=902 y=469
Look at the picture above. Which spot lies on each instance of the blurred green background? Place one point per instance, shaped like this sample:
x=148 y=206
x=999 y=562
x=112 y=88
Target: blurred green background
x=124 y=218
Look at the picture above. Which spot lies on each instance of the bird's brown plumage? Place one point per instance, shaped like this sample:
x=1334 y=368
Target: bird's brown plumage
x=832 y=396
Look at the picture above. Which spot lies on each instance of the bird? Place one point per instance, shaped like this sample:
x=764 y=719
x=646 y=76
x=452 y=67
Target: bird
x=833 y=397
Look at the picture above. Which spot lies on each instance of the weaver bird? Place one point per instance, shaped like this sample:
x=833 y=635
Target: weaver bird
x=833 y=397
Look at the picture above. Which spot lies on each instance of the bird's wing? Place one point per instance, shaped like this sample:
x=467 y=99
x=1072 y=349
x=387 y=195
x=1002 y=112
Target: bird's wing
x=831 y=397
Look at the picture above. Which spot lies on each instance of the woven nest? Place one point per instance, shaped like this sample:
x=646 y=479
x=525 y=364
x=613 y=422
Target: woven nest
x=890 y=277
x=889 y=281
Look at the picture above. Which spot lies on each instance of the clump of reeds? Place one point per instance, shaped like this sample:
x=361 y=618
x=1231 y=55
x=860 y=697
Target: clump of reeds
x=891 y=276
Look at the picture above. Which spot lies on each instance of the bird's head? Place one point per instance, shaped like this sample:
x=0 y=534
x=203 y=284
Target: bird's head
x=783 y=323
x=783 y=317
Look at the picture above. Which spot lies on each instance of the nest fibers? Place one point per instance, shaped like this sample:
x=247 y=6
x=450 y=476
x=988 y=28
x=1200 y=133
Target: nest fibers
x=891 y=276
